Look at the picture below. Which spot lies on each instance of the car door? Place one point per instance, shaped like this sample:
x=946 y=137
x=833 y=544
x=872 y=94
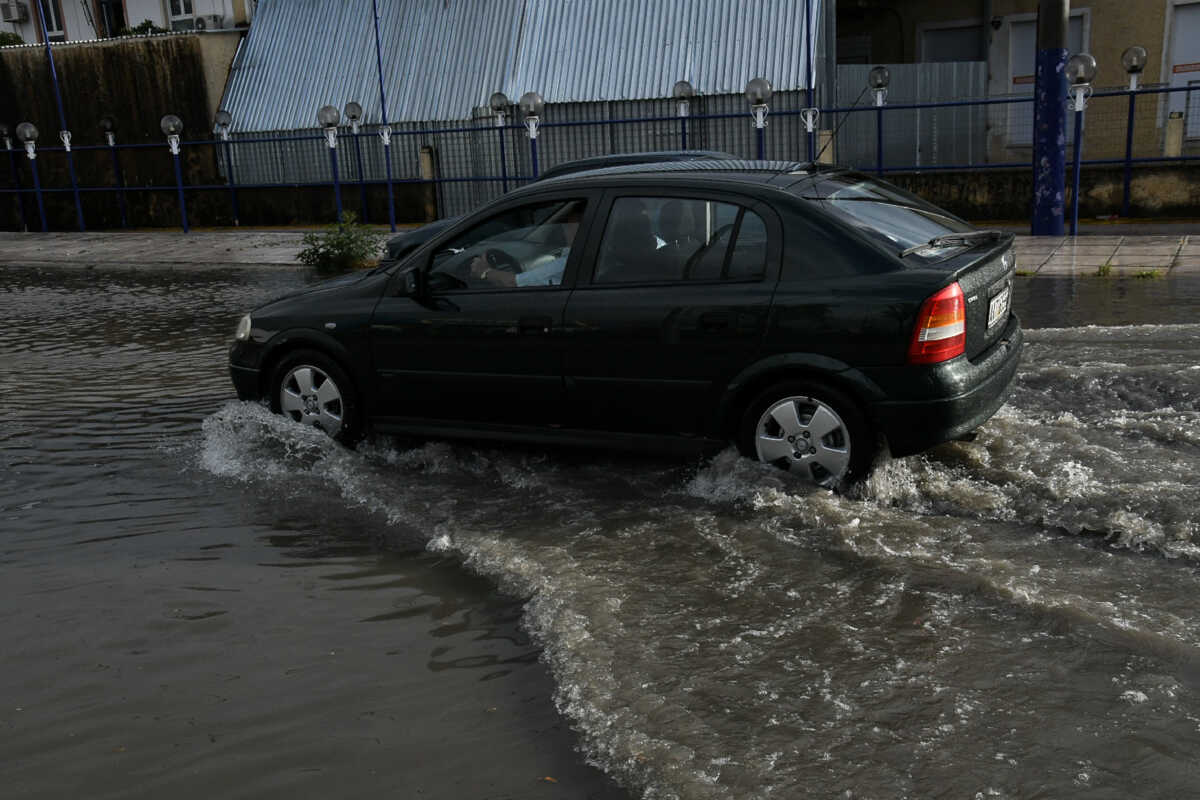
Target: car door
x=473 y=348
x=672 y=306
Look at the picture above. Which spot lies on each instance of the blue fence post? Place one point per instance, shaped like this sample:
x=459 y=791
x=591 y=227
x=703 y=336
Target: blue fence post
x=15 y=179
x=879 y=140
x=533 y=155
x=233 y=194
x=762 y=144
x=1128 y=156
x=118 y=177
x=1075 y=170
x=37 y=187
x=385 y=133
x=179 y=188
x=683 y=133
x=503 y=158
x=337 y=184
x=362 y=183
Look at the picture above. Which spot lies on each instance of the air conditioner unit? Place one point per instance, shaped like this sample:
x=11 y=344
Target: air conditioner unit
x=14 y=12
x=210 y=22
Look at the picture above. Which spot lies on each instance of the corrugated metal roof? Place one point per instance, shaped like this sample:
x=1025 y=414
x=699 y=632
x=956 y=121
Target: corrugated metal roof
x=444 y=58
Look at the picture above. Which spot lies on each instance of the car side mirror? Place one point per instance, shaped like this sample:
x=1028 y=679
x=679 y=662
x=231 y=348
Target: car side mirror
x=414 y=283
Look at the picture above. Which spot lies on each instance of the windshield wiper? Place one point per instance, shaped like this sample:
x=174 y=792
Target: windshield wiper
x=950 y=239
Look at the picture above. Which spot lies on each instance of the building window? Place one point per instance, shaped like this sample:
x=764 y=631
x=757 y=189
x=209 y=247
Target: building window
x=956 y=42
x=182 y=17
x=54 y=20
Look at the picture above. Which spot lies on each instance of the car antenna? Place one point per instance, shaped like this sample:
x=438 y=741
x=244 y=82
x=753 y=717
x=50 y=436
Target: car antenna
x=845 y=116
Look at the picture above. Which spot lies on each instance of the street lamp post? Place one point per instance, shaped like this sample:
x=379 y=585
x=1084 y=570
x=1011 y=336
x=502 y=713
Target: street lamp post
x=224 y=123
x=353 y=113
x=109 y=126
x=532 y=108
x=1134 y=60
x=329 y=118
x=1081 y=71
x=683 y=94
x=758 y=94
x=172 y=127
x=877 y=81
x=27 y=132
x=5 y=134
x=499 y=104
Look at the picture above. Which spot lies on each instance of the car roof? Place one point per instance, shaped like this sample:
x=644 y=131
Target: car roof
x=620 y=159
x=782 y=175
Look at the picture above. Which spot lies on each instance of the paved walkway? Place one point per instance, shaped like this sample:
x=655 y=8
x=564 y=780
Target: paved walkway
x=1083 y=255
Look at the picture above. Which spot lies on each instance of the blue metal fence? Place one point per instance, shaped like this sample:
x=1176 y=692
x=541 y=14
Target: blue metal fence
x=480 y=160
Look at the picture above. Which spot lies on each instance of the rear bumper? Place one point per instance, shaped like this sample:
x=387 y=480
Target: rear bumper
x=952 y=399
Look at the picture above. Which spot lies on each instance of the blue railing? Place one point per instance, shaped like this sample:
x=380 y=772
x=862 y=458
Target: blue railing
x=783 y=129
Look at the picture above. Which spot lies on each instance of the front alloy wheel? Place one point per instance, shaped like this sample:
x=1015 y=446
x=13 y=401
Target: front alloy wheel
x=313 y=389
x=309 y=396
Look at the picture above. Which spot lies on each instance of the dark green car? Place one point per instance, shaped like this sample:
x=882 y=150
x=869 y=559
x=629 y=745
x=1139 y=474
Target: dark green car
x=806 y=313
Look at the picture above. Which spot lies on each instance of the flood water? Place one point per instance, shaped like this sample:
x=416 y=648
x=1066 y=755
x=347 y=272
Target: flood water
x=199 y=599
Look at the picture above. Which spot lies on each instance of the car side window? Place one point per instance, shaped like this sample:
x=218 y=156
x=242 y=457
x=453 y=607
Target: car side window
x=649 y=239
x=525 y=246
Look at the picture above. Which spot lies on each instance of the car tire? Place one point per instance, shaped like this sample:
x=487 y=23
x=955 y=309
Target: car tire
x=810 y=429
x=311 y=388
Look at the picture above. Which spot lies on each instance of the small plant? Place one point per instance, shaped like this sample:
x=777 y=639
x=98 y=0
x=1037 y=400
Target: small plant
x=7 y=38
x=1105 y=270
x=1150 y=274
x=143 y=28
x=341 y=247
x=1024 y=273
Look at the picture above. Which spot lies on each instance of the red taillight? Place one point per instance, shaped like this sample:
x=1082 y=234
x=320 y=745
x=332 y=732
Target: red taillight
x=941 y=332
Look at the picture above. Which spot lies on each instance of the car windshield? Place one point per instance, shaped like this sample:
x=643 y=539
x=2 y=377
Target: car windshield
x=896 y=219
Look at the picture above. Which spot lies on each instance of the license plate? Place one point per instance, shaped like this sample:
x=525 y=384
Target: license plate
x=998 y=307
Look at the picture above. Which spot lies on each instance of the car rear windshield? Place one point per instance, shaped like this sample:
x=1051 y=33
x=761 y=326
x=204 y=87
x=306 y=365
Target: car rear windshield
x=893 y=217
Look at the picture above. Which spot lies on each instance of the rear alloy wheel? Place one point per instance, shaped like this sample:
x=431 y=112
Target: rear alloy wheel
x=809 y=429
x=310 y=388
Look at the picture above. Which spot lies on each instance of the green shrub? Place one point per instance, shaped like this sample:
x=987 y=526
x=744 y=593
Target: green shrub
x=7 y=39
x=341 y=247
x=143 y=28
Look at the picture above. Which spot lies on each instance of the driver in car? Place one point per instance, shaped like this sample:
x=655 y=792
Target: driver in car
x=548 y=274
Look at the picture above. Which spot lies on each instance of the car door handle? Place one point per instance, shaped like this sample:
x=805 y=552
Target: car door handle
x=534 y=324
x=714 y=321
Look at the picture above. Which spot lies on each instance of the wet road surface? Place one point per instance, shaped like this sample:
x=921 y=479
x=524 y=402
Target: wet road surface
x=200 y=598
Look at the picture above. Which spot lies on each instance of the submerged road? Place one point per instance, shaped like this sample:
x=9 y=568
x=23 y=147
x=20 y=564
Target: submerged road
x=200 y=599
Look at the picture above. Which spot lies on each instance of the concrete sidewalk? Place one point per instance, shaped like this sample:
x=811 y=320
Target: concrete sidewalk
x=1042 y=255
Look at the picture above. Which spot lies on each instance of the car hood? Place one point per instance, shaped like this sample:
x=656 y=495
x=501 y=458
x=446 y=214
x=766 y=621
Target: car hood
x=332 y=284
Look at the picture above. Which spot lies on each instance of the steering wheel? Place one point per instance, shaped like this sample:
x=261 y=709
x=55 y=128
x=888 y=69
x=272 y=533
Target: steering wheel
x=696 y=256
x=498 y=259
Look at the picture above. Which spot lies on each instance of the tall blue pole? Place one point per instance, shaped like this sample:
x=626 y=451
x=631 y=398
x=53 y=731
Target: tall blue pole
x=762 y=145
x=62 y=116
x=1128 y=156
x=1050 y=124
x=387 y=142
x=683 y=133
x=533 y=154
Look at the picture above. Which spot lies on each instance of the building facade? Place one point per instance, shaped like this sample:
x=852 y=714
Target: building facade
x=67 y=20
